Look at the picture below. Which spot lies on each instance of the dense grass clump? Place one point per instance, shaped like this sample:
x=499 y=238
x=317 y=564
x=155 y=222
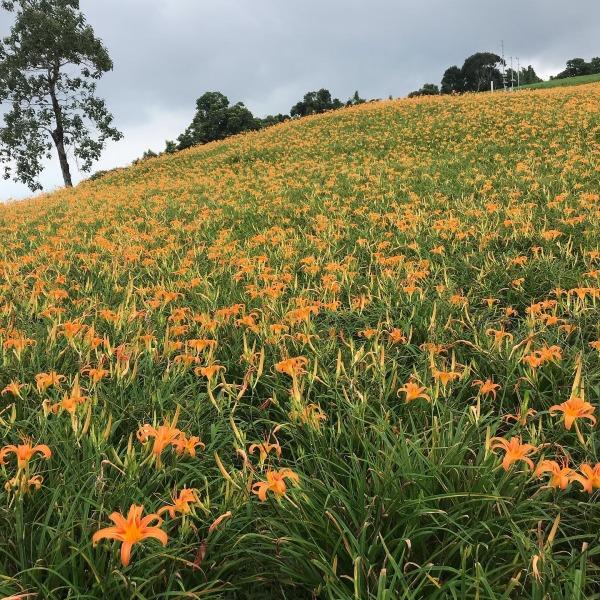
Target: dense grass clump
x=305 y=352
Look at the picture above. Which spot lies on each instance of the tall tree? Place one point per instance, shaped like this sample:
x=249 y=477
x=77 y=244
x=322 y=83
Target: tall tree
x=214 y=120
x=49 y=64
x=453 y=80
x=480 y=69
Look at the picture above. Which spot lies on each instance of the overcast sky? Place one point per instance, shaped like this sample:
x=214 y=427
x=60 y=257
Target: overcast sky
x=268 y=53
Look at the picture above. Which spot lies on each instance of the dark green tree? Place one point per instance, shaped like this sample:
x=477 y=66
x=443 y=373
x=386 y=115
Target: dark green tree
x=595 y=65
x=575 y=68
x=314 y=103
x=427 y=89
x=170 y=147
x=49 y=65
x=271 y=120
x=480 y=69
x=529 y=75
x=356 y=99
x=453 y=81
x=215 y=119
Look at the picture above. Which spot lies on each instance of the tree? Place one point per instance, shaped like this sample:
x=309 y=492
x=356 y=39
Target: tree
x=270 y=120
x=530 y=76
x=215 y=119
x=427 y=89
x=147 y=155
x=48 y=68
x=575 y=67
x=453 y=81
x=314 y=103
x=480 y=69
x=595 y=65
x=356 y=99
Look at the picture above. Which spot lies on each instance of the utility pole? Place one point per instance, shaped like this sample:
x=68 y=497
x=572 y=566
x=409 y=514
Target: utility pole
x=518 y=73
x=512 y=76
x=503 y=66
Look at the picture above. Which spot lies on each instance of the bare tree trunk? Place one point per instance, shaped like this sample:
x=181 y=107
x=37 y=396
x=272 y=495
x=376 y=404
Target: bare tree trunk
x=58 y=135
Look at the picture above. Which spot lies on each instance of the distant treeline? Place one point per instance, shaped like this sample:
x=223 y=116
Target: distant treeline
x=578 y=66
x=216 y=118
x=482 y=68
x=476 y=75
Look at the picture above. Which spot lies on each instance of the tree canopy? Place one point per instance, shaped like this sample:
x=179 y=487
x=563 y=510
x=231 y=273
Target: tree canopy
x=579 y=66
x=49 y=64
x=215 y=119
x=427 y=89
x=477 y=73
x=314 y=103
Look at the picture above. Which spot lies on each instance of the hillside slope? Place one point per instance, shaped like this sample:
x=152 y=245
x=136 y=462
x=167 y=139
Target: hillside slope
x=329 y=331
x=566 y=82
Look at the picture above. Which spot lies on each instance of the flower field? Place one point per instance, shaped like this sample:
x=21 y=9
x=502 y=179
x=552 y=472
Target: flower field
x=352 y=356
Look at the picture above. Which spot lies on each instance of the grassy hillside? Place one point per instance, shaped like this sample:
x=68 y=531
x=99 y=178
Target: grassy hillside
x=568 y=81
x=326 y=332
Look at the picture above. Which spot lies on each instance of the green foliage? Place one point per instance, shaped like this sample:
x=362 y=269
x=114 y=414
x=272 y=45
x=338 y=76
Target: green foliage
x=314 y=103
x=356 y=99
x=270 y=120
x=170 y=147
x=480 y=70
x=575 y=68
x=147 y=154
x=48 y=68
x=453 y=81
x=216 y=119
x=428 y=89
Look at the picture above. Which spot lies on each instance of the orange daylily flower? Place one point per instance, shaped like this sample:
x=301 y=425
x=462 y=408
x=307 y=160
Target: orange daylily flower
x=181 y=503
x=275 y=483
x=45 y=380
x=397 y=336
x=560 y=475
x=14 y=388
x=131 y=530
x=163 y=436
x=71 y=401
x=414 y=391
x=574 y=408
x=264 y=449
x=590 y=478
x=210 y=371
x=292 y=366
x=24 y=453
x=95 y=374
x=515 y=450
x=185 y=445
x=487 y=386
x=445 y=377
x=520 y=417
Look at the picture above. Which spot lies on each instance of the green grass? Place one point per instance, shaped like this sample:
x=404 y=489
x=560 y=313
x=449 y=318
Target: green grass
x=568 y=81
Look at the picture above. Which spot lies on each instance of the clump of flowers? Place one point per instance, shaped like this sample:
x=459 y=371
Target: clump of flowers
x=24 y=453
